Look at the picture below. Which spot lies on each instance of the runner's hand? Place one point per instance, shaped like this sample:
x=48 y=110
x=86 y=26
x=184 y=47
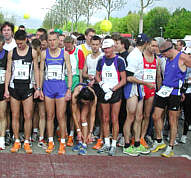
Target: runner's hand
x=68 y=95
x=36 y=94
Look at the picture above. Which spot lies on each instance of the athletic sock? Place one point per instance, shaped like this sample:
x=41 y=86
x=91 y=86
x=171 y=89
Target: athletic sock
x=41 y=138
x=127 y=145
x=137 y=144
x=35 y=130
x=107 y=141
x=63 y=140
x=26 y=141
x=114 y=143
x=71 y=133
x=50 y=139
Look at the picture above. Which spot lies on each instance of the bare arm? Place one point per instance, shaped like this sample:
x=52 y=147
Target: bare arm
x=80 y=73
x=158 y=75
x=186 y=59
x=68 y=68
x=8 y=73
x=42 y=63
x=85 y=71
x=36 y=69
x=93 y=111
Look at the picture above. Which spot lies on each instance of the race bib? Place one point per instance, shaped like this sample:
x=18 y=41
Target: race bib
x=55 y=72
x=165 y=91
x=21 y=71
x=149 y=75
x=2 y=76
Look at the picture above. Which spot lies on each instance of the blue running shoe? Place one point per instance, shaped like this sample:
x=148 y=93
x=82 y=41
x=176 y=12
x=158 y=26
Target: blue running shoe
x=77 y=147
x=83 y=150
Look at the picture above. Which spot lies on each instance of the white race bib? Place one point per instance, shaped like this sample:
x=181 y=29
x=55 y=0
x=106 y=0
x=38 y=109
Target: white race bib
x=2 y=76
x=21 y=71
x=150 y=75
x=165 y=91
x=55 y=72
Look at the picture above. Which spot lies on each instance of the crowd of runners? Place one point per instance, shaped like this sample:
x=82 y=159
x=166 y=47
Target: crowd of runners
x=110 y=90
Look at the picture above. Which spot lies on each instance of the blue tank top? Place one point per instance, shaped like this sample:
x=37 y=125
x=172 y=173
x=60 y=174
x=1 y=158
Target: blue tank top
x=54 y=66
x=173 y=76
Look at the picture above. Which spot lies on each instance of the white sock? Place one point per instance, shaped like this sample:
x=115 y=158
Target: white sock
x=26 y=141
x=7 y=131
x=41 y=138
x=72 y=133
x=2 y=139
x=50 y=139
x=63 y=140
x=17 y=140
x=107 y=141
x=35 y=130
x=114 y=143
x=58 y=128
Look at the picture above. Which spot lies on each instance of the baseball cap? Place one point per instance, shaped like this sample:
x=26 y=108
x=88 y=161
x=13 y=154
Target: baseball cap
x=142 y=38
x=107 y=43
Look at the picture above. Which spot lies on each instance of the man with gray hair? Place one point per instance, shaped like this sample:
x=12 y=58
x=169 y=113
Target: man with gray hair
x=169 y=95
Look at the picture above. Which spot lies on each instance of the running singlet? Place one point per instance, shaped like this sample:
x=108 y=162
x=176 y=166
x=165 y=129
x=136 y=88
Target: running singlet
x=22 y=69
x=92 y=64
x=110 y=74
x=74 y=61
x=54 y=66
x=173 y=78
x=3 y=65
x=149 y=76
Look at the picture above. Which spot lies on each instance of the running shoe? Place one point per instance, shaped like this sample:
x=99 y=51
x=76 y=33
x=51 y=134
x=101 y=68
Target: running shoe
x=141 y=149
x=104 y=149
x=16 y=147
x=61 y=149
x=83 y=150
x=27 y=148
x=121 y=142
x=168 y=152
x=183 y=139
x=2 y=145
x=70 y=141
x=77 y=147
x=157 y=146
x=98 y=144
x=130 y=151
x=144 y=143
x=8 y=139
x=42 y=144
x=34 y=137
x=50 y=147
x=112 y=151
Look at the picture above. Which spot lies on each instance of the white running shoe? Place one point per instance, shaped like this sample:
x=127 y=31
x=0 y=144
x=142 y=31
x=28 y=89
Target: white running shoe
x=183 y=139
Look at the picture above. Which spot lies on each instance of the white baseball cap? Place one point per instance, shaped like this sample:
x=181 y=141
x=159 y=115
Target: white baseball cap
x=107 y=43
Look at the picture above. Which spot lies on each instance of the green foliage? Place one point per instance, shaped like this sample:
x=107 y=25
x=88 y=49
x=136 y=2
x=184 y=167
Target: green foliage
x=154 y=19
x=179 y=24
x=1 y=18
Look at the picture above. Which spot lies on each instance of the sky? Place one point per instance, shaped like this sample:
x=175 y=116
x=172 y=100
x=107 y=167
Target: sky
x=38 y=8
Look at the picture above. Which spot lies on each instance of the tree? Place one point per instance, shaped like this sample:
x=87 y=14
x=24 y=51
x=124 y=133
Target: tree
x=89 y=8
x=132 y=22
x=144 y=4
x=155 y=21
x=179 y=24
x=1 y=18
x=111 y=5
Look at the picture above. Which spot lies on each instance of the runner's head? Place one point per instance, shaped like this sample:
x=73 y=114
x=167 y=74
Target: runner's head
x=85 y=96
x=36 y=44
x=53 y=40
x=44 y=41
x=40 y=31
x=2 y=42
x=21 y=39
x=166 y=49
x=7 y=30
x=88 y=34
x=95 y=43
x=69 y=43
x=108 y=47
x=180 y=44
x=122 y=44
x=142 y=40
x=61 y=40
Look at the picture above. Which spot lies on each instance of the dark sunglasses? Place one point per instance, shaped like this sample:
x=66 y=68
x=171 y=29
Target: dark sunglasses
x=165 y=50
